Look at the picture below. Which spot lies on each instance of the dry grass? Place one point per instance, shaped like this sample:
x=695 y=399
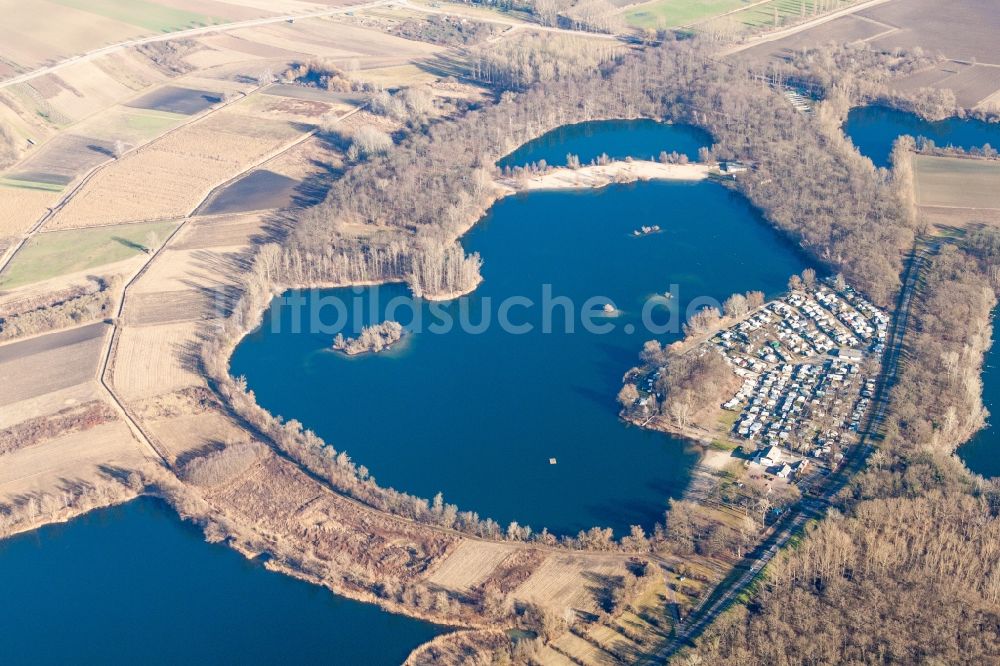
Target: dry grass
x=172 y=176
x=151 y=360
x=547 y=656
x=959 y=217
x=48 y=403
x=170 y=307
x=20 y=207
x=69 y=460
x=278 y=499
x=581 y=651
x=469 y=565
x=569 y=580
x=215 y=232
x=179 y=270
x=957 y=182
x=182 y=436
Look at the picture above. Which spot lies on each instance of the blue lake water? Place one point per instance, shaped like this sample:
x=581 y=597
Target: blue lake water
x=135 y=585
x=874 y=129
x=639 y=139
x=478 y=415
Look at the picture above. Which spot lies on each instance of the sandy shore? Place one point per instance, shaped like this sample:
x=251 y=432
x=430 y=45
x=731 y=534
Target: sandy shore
x=599 y=176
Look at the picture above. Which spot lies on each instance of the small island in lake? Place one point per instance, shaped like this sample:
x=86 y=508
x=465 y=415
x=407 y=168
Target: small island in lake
x=372 y=339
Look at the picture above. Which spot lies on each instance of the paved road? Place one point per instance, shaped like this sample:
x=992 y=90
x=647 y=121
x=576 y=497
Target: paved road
x=817 y=499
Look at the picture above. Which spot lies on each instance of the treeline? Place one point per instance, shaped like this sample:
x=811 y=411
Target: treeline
x=78 y=306
x=67 y=420
x=527 y=59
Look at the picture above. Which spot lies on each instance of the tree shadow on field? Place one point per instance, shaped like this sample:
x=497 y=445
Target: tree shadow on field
x=455 y=65
x=132 y=245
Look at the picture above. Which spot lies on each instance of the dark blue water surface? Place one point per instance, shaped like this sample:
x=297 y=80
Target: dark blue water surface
x=874 y=129
x=639 y=139
x=478 y=415
x=135 y=585
x=982 y=453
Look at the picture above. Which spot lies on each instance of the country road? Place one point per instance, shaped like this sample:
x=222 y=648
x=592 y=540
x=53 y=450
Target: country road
x=816 y=501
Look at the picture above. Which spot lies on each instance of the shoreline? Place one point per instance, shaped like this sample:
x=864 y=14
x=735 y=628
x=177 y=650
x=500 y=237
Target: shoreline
x=598 y=176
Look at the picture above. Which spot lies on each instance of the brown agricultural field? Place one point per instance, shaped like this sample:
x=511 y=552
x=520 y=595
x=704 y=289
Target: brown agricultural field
x=963 y=29
x=972 y=84
x=957 y=182
x=222 y=231
x=184 y=436
x=51 y=31
x=152 y=360
x=170 y=177
x=469 y=565
x=48 y=403
x=67 y=460
x=63 y=159
x=848 y=28
x=20 y=207
x=566 y=580
x=51 y=362
x=170 y=307
x=331 y=38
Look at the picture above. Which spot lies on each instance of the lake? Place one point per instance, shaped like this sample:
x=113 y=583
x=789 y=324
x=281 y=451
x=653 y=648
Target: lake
x=478 y=414
x=639 y=139
x=873 y=129
x=134 y=584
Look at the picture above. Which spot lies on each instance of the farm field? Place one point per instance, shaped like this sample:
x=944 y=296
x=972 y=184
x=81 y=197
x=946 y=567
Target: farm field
x=48 y=363
x=933 y=26
x=726 y=16
x=131 y=126
x=150 y=360
x=79 y=457
x=57 y=29
x=957 y=182
x=59 y=253
x=673 y=13
x=195 y=432
x=170 y=177
x=22 y=204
